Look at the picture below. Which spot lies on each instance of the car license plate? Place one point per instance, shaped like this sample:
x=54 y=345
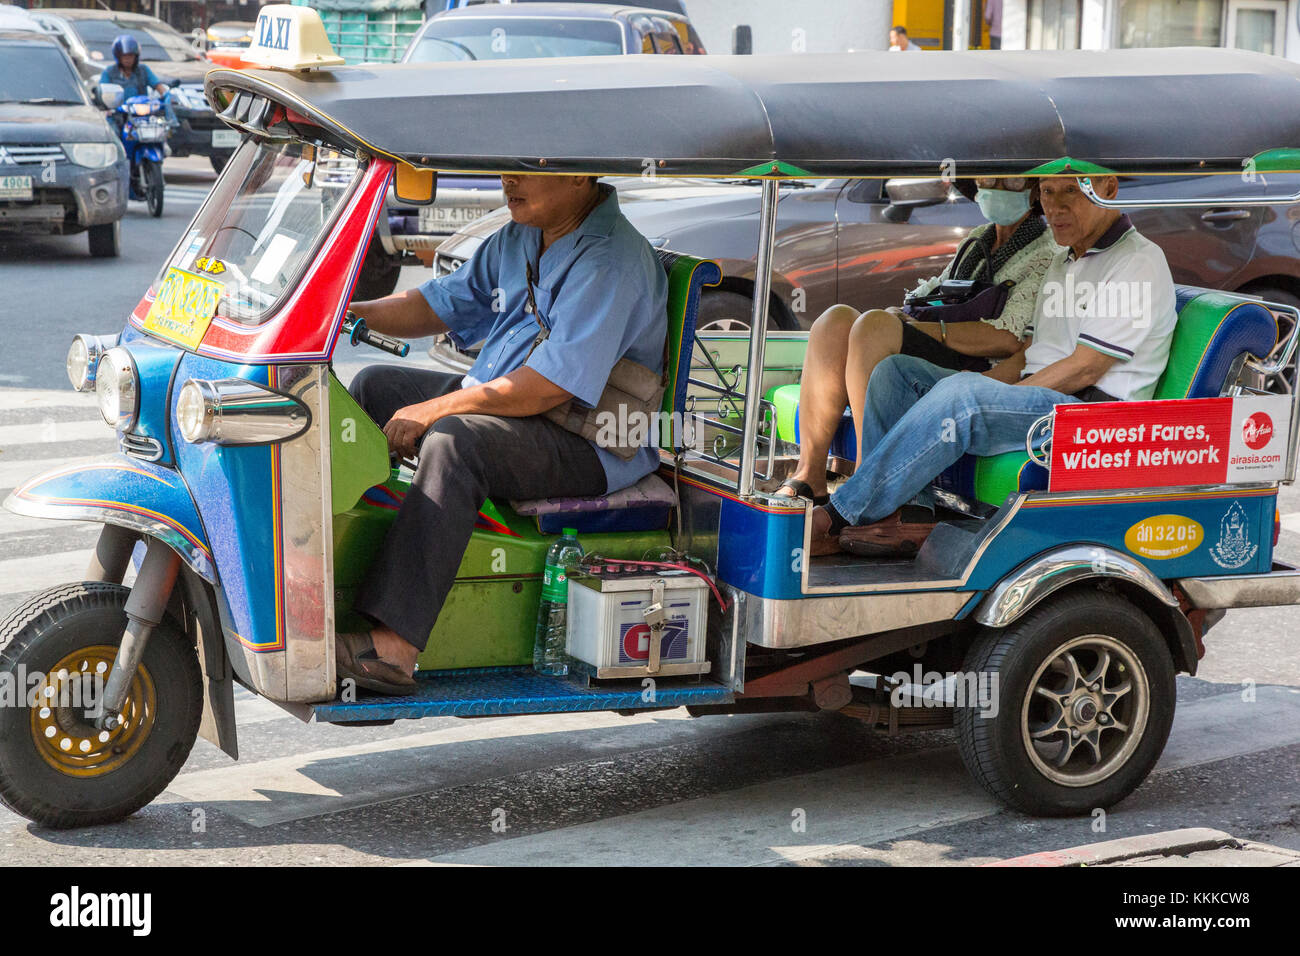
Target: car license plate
x=183 y=308
x=15 y=187
x=435 y=218
x=225 y=138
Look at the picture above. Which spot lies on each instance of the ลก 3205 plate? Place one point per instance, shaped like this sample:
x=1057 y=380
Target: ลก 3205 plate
x=15 y=187
x=183 y=308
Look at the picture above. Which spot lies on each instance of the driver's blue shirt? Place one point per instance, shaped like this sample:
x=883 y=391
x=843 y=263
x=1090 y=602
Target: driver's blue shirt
x=601 y=290
x=139 y=83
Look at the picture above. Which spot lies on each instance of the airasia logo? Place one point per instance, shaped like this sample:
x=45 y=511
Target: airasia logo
x=1257 y=430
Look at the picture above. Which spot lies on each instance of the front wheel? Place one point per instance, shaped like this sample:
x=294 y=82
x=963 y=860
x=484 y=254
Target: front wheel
x=105 y=240
x=56 y=767
x=1084 y=690
x=153 y=187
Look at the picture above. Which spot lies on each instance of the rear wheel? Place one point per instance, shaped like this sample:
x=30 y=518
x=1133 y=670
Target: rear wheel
x=56 y=767
x=153 y=187
x=724 y=311
x=379 y=273
x=105 y=240
x=1275 y=294
x=218 y=161
x=1084 y=685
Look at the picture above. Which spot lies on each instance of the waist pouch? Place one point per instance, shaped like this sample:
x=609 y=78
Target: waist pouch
x=620 y=421
x=960 y=301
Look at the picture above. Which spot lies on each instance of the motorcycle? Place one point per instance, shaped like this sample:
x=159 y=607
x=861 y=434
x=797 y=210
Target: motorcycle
x=144 y=129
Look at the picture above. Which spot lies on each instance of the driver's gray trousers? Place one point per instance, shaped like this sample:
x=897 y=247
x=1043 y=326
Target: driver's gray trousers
x=464 y=459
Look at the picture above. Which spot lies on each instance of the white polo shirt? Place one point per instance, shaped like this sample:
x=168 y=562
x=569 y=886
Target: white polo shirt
x=1117 y=298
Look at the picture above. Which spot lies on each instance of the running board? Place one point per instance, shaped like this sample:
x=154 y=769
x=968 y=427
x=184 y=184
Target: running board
x=497 y=691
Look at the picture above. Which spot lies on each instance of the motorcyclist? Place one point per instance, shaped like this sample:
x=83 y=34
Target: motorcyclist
x=135 y=78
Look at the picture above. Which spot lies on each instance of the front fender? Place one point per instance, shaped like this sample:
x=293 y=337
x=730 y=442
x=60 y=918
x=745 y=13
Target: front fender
x=122 y=491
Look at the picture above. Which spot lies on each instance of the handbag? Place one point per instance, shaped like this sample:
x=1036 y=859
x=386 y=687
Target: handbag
x=961 y=300
x=622 y=418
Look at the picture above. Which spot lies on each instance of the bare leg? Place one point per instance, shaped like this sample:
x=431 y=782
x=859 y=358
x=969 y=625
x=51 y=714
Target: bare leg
x=875 y=335
x=822 y=395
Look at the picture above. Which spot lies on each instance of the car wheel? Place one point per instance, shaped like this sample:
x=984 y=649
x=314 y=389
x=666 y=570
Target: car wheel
x=1282 y=297
x=1084 y=691
x=727 y=312
x=218 y=161
x=379 y=273
x=105 y=240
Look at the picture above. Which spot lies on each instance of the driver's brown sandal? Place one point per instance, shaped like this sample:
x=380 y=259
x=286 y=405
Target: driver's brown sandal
x=355 y=657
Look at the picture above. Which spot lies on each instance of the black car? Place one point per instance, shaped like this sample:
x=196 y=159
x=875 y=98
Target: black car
x=88 y=37
x=62 y=169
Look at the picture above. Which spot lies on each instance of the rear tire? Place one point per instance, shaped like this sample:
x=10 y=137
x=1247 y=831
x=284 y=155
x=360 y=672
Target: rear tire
x=218 y=161
x=153 y=187
x=1056 y=746
x=724 y=311
x=379 y=273
x=105 y=240
x=56 y=768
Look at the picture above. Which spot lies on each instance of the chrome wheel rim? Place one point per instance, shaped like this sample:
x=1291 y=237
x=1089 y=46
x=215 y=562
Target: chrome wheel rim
x=1085 y=711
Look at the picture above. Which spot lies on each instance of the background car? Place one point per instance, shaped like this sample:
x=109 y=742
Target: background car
x=230 y=33
x=62 y=170
x=505 y=31
x=866 y=242
x=88 y=37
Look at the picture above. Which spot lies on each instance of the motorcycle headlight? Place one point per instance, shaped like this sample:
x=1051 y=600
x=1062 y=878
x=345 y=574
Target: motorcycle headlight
x=117 y=386
x=83 y=359
x=91 y=155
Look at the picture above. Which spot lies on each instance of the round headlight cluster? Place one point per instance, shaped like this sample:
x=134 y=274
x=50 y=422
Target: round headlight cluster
x=117 y=386
x=83 y=359
x=194 y=411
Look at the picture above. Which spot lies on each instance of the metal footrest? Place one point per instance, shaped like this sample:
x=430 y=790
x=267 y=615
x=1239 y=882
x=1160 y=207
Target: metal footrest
x=495 y=691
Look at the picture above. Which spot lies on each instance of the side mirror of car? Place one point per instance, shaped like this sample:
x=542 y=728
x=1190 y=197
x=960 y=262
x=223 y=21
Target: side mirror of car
x=908 y=194
x=109 y=95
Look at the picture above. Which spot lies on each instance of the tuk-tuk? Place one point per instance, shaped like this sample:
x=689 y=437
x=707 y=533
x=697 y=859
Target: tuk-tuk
x=251 y=491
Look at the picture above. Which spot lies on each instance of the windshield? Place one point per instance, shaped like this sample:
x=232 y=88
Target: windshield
x=514 y=38
x=157 y=40
x=37 y=74
x=263 y=222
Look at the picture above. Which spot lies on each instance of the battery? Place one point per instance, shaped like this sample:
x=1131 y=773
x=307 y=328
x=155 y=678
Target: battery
x=613 y=616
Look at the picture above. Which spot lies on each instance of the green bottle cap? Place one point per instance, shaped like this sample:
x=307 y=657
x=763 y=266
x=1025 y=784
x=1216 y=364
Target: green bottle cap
x=571 y=532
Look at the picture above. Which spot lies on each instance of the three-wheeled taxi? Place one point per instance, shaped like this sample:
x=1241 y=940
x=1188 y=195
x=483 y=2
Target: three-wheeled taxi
x=250 y=491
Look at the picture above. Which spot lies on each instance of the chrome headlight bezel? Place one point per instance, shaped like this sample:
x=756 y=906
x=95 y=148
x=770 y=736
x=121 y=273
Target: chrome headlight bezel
x=117 y=388
x=83 y=359
x=234 y=411
x=196 y=408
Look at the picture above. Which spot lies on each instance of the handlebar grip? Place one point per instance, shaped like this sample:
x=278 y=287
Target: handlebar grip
x=357 y=331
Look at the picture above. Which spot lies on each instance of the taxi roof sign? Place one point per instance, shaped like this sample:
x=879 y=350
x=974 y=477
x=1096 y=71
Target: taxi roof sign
x=290 y=38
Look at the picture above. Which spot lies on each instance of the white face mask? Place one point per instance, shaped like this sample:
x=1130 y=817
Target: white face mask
x=1003 y=207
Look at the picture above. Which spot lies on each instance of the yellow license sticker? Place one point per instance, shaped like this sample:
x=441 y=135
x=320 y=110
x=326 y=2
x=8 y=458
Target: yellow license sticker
x=184 y=307
x=1164 y=536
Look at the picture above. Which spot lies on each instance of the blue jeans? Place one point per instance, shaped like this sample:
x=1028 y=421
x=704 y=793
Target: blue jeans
x=920 y=418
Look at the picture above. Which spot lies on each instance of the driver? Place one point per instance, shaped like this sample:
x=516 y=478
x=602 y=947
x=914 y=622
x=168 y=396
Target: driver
x=571 y=256
x=135 y=78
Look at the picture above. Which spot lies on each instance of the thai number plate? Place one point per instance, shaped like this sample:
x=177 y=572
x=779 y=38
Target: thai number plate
x=433 y=218
x=15 y=187
x=183 y=308
x=225 y=138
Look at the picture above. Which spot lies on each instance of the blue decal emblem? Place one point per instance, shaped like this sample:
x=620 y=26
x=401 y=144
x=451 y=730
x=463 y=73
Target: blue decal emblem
x=1233 y=549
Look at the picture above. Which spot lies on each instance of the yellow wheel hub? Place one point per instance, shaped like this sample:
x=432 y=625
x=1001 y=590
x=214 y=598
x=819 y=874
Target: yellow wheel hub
x=63 y=726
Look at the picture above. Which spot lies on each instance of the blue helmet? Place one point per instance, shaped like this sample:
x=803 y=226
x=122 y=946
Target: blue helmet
x=124 y=46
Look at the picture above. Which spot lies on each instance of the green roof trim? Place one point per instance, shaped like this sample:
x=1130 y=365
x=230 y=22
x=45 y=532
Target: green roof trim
x=1066 y=166
x=774 y=168
x=1285 y=160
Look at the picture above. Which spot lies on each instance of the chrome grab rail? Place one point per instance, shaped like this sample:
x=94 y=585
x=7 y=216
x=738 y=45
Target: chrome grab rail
x=1043 y=426
x=1085 y=186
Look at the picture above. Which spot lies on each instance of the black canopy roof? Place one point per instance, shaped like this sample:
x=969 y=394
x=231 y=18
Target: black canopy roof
x=839 y=115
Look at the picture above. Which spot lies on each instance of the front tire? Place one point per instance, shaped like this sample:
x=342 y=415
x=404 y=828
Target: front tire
x=379 y=273
x=1085 y=699
x=56 y=767
x=105 y=240
x=153 y=187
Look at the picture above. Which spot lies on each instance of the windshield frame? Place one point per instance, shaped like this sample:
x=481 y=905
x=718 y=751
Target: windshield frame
x=249 y=321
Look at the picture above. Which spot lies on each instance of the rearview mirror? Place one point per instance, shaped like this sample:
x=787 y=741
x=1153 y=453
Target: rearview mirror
x=109 y=95
x=418 y=187
x=908 y=194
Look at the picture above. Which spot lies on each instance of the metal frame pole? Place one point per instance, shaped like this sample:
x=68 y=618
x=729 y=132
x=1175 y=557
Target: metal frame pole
x=757 y=336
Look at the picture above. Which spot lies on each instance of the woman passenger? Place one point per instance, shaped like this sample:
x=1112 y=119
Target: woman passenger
x=845 y=346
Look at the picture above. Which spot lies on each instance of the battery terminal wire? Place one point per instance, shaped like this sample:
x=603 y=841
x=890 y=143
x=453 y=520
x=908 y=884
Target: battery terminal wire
x=595 y=561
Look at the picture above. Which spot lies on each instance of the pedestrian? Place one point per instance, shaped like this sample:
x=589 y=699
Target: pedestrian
x=899 y=40
x=993 y=19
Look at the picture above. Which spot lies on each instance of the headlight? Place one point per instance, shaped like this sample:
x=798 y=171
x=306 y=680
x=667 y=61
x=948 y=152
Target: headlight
x=117 y=386
x=83 y=359
x=232 y=411
x=91 y=155
x=190 y=98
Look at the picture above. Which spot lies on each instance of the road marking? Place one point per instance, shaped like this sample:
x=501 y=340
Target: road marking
x=35 y=397
x=88 y=430
x=851 y=807
x=1291 y=522
x=19 y=575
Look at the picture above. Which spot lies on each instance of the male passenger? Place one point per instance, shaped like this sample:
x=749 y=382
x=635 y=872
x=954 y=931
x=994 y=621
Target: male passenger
x=596 y=283
x=1101 y=332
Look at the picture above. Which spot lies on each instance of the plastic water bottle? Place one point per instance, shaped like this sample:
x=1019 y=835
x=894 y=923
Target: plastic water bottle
x=549 y=642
